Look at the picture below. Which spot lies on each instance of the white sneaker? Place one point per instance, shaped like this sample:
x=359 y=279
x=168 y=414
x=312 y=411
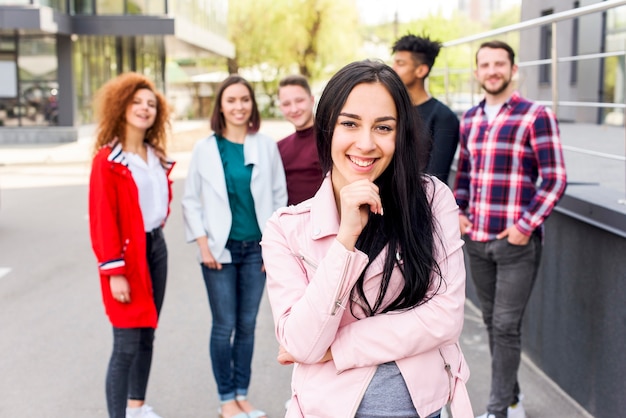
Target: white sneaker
x=517 y=410
x=444 y=412
x=144 y=412
x=513 y=411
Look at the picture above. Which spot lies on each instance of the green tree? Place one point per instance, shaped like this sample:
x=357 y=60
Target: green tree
x=452 y=65
x=305 y=36
x=278 y=37
x=504 y=18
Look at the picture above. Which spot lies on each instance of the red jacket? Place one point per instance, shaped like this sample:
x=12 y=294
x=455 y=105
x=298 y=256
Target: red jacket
x=118 y=237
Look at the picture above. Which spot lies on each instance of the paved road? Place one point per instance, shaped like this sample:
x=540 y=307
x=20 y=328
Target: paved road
x=56 y=339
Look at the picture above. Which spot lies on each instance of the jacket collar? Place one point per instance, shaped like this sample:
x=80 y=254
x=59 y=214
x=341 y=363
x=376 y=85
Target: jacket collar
x=324 y=214
x=117 y=153
x=117 y=156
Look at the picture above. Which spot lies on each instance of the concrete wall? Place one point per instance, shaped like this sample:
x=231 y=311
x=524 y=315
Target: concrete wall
x=39 y=135
x=589 y=42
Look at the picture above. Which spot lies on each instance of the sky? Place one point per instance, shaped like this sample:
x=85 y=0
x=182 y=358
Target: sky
x=377 y=11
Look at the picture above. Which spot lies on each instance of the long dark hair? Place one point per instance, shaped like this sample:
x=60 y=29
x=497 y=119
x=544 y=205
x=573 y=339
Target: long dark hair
x=218 y=123
x=407 y=227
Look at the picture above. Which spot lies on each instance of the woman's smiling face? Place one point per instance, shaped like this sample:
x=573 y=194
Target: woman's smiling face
x=236 y=105
x=142 y=110
x=364 y=140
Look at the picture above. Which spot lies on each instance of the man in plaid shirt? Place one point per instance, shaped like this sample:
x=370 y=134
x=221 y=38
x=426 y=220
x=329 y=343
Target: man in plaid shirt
x=506 y=144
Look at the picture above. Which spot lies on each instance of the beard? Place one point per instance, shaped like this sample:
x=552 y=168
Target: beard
x=497 y=90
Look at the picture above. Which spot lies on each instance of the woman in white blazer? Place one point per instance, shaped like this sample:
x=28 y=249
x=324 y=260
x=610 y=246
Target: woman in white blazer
x=235 y=182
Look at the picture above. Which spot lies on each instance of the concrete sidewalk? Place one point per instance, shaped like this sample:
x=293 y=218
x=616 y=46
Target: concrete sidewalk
x=76 y=152
x=184 y=135
x=542 y=397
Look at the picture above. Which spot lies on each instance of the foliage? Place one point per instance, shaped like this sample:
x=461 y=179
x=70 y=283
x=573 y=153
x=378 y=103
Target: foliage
x=274 y=38
x=454 y=64
x=507 y=18
x=314 y=38
x=304 y=36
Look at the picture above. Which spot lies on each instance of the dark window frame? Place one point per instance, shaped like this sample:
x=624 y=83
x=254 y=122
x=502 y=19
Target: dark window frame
x=545 y=46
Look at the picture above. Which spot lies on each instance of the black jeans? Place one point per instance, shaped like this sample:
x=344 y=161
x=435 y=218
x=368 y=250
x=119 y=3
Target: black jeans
x=129 y=366
x=504 y=276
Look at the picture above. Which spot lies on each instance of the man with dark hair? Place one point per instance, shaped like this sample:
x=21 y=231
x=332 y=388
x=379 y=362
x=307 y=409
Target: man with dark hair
x=413 y=57
x=507 y=143
x=299 y=150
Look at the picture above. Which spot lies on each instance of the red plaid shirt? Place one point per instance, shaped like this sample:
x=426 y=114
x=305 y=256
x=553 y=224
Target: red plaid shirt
x=500 y=163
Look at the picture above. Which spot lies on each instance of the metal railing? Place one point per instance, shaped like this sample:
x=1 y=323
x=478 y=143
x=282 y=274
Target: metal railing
x=553 y=61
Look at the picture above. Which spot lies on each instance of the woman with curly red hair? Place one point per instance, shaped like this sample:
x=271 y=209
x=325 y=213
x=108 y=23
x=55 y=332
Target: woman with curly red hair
x=129 y=201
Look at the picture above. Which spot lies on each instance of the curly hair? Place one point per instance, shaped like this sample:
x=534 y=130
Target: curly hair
x=423 y=49
x=111 y=102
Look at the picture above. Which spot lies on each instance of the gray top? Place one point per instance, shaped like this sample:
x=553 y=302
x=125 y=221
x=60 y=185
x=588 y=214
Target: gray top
x=387 y=396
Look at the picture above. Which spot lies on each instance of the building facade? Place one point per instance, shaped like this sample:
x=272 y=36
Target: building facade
x=55 y=54
x=594 y=79
x=482 y=10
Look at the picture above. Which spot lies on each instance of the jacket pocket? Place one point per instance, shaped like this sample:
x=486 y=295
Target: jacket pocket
x=309 y=264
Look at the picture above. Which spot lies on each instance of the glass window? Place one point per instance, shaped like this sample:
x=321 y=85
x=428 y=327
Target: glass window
x=8 y=90
x=13 y=2
x=7 y=42
x=573 y=75
x=615 y=67
x=82 y=7
x=8 y=75
x=146 y=7
x=38 y=84
x=95 y=63
x=55 y=4
x=150 y=55
x=545 y=49
x=115 y=7
x=97 y=59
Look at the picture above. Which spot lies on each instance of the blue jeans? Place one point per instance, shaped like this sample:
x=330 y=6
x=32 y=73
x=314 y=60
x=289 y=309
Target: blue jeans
x=129 y=366
x=504 y=276
x=235 y=294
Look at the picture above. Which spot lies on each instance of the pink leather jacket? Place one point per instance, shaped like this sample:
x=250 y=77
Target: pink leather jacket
x=309 y=277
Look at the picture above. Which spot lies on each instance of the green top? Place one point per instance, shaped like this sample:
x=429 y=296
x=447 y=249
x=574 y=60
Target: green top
x=238 y=176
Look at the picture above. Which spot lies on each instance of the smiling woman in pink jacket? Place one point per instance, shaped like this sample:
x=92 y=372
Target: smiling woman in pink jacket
x=366 y=279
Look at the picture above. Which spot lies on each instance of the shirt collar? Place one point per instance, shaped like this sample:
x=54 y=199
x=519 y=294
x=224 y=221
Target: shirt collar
x=510 y=102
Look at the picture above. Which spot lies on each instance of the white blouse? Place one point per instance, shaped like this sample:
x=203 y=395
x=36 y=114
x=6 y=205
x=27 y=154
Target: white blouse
x=151 y=182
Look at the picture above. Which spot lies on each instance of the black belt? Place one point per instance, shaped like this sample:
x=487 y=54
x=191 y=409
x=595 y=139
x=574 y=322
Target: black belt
x=155 y=233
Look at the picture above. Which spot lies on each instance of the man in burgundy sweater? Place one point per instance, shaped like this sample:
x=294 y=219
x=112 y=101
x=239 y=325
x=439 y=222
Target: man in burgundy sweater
x=299 y=150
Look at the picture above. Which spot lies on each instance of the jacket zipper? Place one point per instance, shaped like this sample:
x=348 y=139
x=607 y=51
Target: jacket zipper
x=304 y=258
x=338 y=297
x=337 y=304
x=448 y=368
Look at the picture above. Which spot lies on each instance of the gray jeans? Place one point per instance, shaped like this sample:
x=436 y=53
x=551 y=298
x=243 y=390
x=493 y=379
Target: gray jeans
x=504 y=275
